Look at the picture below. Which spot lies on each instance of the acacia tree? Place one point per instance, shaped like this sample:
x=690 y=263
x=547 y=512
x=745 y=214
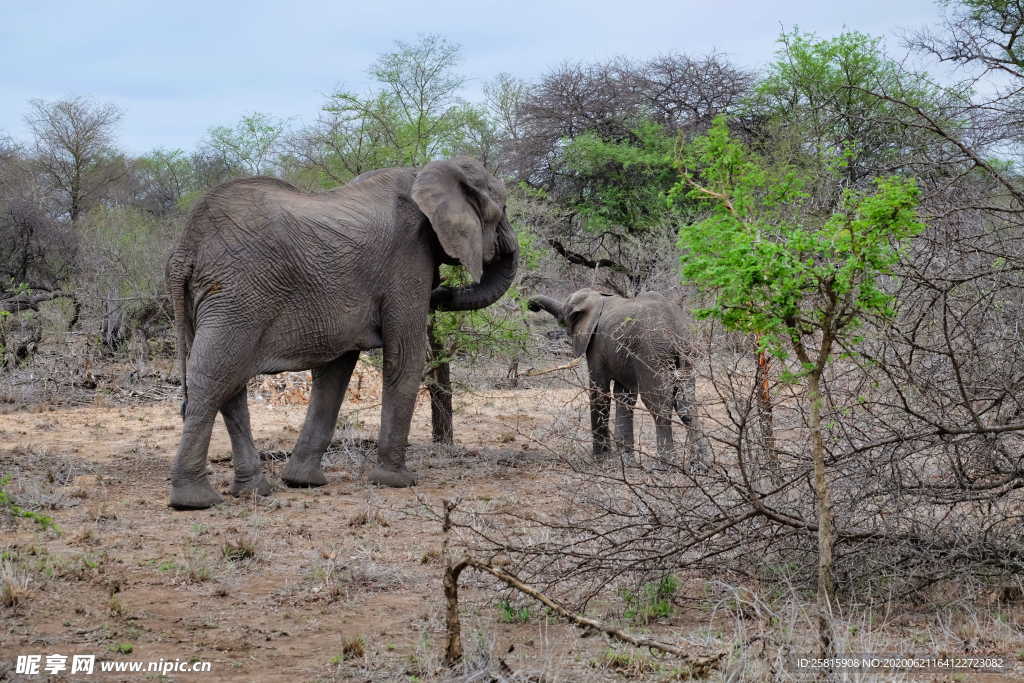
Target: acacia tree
x=590 y=144
x=800 y=280
x=74 y=148
x=251 y=145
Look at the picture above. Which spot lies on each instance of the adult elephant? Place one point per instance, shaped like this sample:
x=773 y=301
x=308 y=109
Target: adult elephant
x=641 y=346
x=267 y=278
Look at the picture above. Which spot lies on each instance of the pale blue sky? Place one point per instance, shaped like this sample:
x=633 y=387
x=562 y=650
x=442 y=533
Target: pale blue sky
x=177 y=68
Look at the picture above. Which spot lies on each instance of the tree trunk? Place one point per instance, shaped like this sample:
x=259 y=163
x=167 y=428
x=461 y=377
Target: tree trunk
x=826 y=588
x=766 y=420
x=439 y=385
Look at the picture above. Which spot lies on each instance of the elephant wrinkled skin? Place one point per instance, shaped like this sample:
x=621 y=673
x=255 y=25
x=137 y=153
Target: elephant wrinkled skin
x=267 y=279
x=641 y=345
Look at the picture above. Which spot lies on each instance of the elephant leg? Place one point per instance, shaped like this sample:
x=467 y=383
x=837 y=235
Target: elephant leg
x=685 y=404
x=624 y=402
x=599 y=408
x=329 y=385
x=190 y=486
x=248 y=468
x=215 y=377
x=660 y=406
x=404 y=357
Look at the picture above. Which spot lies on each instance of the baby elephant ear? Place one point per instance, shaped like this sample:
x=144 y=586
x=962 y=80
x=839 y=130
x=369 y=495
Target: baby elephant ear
x=440 y=192
x=582 y=316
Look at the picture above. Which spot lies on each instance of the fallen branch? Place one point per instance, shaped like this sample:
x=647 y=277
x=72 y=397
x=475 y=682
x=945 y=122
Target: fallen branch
x=534 y=373
x=700 y=666
x=30 y=302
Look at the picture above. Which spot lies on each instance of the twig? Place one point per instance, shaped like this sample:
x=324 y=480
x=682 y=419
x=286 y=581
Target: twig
x=534 y=373
x=700 y=665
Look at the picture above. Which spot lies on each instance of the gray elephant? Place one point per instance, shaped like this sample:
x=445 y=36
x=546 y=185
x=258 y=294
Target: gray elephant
x=639 y=344
x=267 y=279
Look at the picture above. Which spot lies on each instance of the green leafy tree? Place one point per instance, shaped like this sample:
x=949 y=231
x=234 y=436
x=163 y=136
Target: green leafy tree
x=820 y=100
x=636 y=174
x=251 y=145
x=801 y=280
x=413 y=116
x=168 y=179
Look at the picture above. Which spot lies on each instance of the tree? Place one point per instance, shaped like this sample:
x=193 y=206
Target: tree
x=250 y=146
x=165 y=178
x=818 y=102
x=503 y=98
x=985 y=32
x=591 y=140
x=801 y=280
x=74 y=148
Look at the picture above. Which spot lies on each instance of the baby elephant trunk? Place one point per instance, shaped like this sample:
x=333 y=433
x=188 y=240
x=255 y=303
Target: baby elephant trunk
x=546 y=303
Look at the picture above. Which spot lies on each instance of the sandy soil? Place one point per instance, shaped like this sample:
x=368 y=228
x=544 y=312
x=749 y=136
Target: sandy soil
x=338 y=583
x=342 y=582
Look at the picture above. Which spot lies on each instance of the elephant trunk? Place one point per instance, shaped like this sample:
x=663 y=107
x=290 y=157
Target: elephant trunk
x=496 y=279
x=546 y=303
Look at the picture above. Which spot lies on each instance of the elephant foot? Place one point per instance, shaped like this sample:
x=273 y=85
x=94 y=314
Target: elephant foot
x=194 y=495
x=398 y=479
x=299 y=474
x=258 y=485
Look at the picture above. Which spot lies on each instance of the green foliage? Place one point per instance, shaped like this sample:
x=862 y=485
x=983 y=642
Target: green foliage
x=510 y=614
x=412 y=116
x=171 y=179
x=652 y=601
x=8 y=505
x=251 y=144
x=124 y=250
x=775 y=267
x=820 y=101
x=491 y=330
x=627 y=179
x=530 y=251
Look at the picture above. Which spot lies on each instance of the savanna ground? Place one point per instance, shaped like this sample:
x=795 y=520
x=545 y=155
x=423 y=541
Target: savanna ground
x=345 y=582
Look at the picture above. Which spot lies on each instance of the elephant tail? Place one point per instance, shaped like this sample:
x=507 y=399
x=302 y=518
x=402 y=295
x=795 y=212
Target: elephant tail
x=179 y=273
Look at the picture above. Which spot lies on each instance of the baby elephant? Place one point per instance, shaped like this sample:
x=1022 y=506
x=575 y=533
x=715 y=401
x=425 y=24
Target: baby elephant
x=639 y=344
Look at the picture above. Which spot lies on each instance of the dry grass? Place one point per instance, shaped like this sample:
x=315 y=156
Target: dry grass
x=15 y=584
x=343 y=583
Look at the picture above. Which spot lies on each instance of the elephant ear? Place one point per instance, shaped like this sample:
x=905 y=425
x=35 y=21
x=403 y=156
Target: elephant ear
x=581 y=317
x=457 y=210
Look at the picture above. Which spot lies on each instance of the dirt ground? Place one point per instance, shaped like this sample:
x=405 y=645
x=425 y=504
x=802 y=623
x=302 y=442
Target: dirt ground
x=337 y=583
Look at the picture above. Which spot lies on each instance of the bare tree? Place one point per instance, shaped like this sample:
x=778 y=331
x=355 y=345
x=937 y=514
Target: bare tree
x=74 y=147
x=608 y=99
x=985 y=32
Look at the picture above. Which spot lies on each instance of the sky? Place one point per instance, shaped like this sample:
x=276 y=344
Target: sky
x=178 y=68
